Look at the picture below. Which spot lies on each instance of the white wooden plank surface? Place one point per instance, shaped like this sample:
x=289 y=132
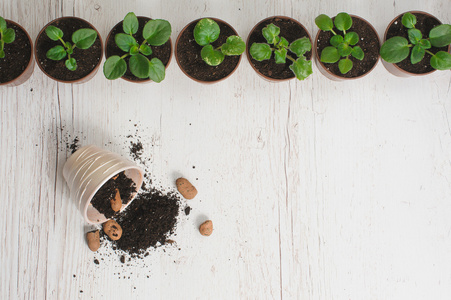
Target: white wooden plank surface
x=317 y=189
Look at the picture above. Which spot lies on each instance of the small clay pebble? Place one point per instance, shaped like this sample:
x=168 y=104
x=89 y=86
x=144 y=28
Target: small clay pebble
x=112 y=229
x=185 y=188
x=206 y=228
x=93 y=238
x=116 y=202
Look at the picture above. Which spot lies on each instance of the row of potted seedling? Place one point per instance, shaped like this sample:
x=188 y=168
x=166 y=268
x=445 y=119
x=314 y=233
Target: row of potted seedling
x=208 y=50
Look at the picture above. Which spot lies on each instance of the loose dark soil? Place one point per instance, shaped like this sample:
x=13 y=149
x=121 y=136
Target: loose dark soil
x=102 y=199
x=289 y=30
x=87 y=60
x=17 y=55
x=369 y=42
x=424 y=24
x=162 y=52
x=147 y=222
x=190 y=61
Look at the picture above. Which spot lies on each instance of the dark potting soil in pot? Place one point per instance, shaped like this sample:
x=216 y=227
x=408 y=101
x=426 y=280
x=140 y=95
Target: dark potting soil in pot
x=17 y=55
x=102 y=199
x=87 y=59
x=424 y=23
x=147 y=222
x=162 y=52
x=190 y=60
x=368 y=41
x=289 y=30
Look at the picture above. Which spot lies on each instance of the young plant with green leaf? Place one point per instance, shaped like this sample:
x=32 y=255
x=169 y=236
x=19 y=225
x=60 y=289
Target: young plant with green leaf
x=301 y=67
x=206 y=32
x=342 y=46
x=82 y=39
x=7 y=36
x=155 y=33
x=398 y=48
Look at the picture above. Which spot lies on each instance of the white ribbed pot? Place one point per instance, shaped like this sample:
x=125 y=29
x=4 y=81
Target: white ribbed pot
x=88 y=169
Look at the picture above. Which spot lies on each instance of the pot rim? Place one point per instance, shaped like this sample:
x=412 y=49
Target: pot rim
x=249 y=56
x=177 y=58
x=30 y=63
x=80 y=80
x=335 y=76
x=131 y=80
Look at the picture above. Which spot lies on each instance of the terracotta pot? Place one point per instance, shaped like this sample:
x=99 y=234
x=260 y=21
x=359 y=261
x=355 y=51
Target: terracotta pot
x=25 y=66
x=366 y=45
x=403 y=68
x=277 y=72
x=86 y=67
x=163 y=52
x=190 y=65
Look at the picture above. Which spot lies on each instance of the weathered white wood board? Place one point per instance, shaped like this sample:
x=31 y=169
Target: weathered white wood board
x=317 y=189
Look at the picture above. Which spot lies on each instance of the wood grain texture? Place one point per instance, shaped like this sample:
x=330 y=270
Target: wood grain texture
x=317 y=189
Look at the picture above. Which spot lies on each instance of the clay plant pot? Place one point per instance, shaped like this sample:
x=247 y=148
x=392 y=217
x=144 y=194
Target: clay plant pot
x=88 y=60
x=289 y=29
x=163 y=52
x=425 y=22
x=187 y=55
x=18 y=64
x=369 y=41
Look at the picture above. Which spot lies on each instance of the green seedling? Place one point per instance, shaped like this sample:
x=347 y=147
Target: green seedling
x=206 y=32
x=7 y=36
x=300 y=66
x=341 y=45
x=82 y=39
x=398 y=48
x=155 y=33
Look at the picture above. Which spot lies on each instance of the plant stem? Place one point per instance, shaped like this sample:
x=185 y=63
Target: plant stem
x=333 y=31
x=124 y=56
x=429 y=52
x=290 y=58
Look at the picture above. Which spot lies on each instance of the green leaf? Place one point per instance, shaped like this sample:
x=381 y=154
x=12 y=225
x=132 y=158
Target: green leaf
x=336 y=40
x=71 y=64
x=84 y=38
x=130 y=24
x=351 y=38
x=409 y=20
x=56 y=53
x=344 y=49
x=54 y=33
x=395 y=49
x=440 y=36
x=280 y=56
x=206 y=32
x=345 y=65
x=324 y=22
x=69 y=49
x=271 y=33
x=441 y=61
x=414 y=35
x=9 y=36
x=260 y=51
x=157 y=70
x=417 y=54
x=125 y=41
x=114 y=67
x=2 y=25
x=211 y=56
x=358 y=53
x=343 y=21
x=301 y=46
x=2 y=53
x=233 y=46
x=139 y=66
x=145 y=49
x=302 y=68
x=134 y=50
x=425 y=44
x=157 y=32
x=283 y=42
x=330 y=55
